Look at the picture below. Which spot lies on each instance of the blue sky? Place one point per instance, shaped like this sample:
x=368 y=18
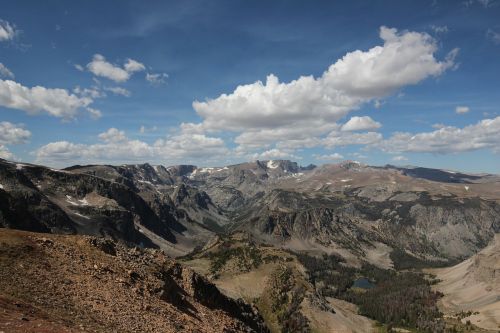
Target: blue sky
x=413 y=82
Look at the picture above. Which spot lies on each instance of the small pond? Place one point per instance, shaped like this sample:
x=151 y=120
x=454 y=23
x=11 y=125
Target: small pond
x=363 y=283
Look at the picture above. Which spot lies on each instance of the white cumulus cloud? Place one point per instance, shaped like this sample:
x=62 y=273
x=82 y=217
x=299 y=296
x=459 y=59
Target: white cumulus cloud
x=133 y=66
x=113 y=135
x=274 y=154
x=336 y=139
x=60 y=151
x=56 y=102
x=5 y=153
x=12 y=134
x=116 y=147
x=405 y=58
x=304 y=113
x=193 y=146
x=361 y=124
x=99 y=66
x=449 y=139
x=295 y=135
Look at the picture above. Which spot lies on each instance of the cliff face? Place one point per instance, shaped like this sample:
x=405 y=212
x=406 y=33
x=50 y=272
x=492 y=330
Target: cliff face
x=42 y=199
x=448 y=228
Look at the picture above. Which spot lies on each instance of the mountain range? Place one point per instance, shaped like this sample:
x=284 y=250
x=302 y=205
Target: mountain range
x=225 y=221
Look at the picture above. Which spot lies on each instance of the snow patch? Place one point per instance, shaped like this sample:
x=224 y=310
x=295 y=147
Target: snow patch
x=1 y=187
x=83 y=202
x=20 y=166
x=346 y=180
x=78 y=202
x=272 y=164
x=69 y=200
x=205 y=170
x=296 y=175
x=466 y=188
x=78 y=214
x=57 y=170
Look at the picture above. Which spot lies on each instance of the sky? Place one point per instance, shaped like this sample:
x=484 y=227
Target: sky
x=220 y=82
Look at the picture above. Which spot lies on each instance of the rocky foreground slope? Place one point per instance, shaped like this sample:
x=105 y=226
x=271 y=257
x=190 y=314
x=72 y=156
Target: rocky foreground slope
x=57 y=283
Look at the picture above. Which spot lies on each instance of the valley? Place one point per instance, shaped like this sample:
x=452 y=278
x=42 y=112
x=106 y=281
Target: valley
x=472 y=287
x=341 y=247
